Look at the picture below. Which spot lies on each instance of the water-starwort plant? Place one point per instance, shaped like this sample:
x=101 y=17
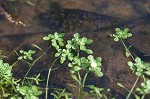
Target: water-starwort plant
x=121 y=34
x=138 y=66
x=11 y=88
x=26 y=55
x=70 y=50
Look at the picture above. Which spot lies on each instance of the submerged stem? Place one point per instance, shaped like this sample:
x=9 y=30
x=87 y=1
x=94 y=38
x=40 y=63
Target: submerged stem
x=127 y=49
x=48 y=75
x=132 y=88
x=31 y=65
x=30 y=68
x=137 y=78
x=81 y=86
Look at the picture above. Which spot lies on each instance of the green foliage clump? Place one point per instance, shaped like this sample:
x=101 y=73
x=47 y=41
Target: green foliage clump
x=5 y=70
x=71 y=50
x=30 y=92
x=121 y=34
x=145 y=87
x=139 y=67
x=26 y=55
x=87 y=64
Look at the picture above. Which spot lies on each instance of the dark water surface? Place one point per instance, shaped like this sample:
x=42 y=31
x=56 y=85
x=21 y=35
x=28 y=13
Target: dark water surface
x=95 y=19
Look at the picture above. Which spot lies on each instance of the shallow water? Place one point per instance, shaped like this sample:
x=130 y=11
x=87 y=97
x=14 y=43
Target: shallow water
x=95 y=19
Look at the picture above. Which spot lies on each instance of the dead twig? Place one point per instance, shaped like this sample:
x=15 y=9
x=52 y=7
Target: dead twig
x=10 y=19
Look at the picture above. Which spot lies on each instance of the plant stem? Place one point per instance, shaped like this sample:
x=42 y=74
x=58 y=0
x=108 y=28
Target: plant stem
x=81 y=86
x=31 y=67
x=43 y=53
x=137 y=78
x=15 y=63
x=85 y=78
x=143 y=96
x=127 y=49
x=49 y=72
x=132 y=88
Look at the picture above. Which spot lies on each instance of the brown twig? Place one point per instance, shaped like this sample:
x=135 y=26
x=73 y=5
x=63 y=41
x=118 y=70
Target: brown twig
x=10 y=19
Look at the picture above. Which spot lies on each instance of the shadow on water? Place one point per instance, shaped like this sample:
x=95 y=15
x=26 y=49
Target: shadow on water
x=75 y=20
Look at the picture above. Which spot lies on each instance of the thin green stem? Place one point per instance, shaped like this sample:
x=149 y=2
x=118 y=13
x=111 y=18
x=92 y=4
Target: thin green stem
x=127 y=49
x=143 y=96
x=48 y=76
x=15 y=63
x=128 y=96
x=79 y=78
x=84 y=79
x=31 y=65
x=81 y=85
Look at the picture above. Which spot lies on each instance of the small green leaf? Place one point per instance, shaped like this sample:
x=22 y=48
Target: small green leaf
x=116 y=39
x=139 y=69
x=21 y=51
x=82 y=47
x=6 y=94
x=129 y=34
x=61 y=43
x=136 y=96
x=25 y=57
x=97 y=71
x=138 y=60
x=85 y=66
x=23 y=90
x=130 y=63
x=127 y=54
x=99 y=74
x=76 y=68
x=90 y=57
x=126 y=30
x=46 y=38
x=57 y=54
x=30 y=3
x=68 y=46
x=117 y=29
x=120 y=85
x=147 y=72
x=61 y=34
x=89 y=51
x=20 y=58
x=76 y=35
x=98 y=59
x=138 y=73
x=70 y=65
x=72 y=72
x=89 y=41
x=75 y=78
x=70 y=57
x=36 y=46
x=71 y=85
x=50 y=35
x=82 y=43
